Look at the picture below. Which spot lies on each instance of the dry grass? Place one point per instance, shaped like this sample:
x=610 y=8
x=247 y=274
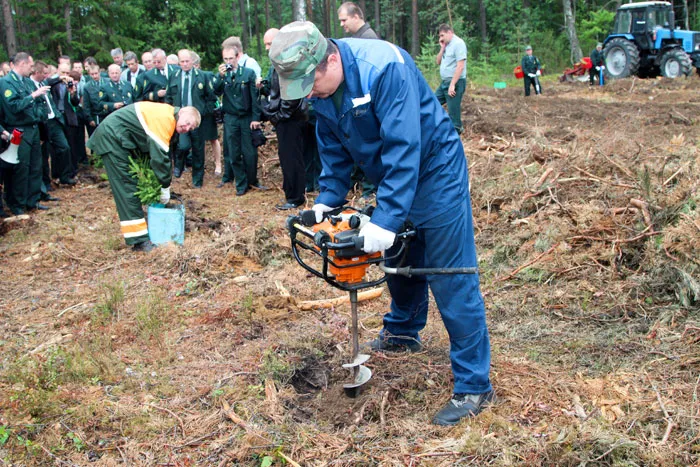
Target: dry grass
x=588 y=227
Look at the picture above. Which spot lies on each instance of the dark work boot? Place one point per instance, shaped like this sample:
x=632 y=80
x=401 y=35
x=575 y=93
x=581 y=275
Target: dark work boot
x=463 y=405
x=144 y=246
x=395 y=344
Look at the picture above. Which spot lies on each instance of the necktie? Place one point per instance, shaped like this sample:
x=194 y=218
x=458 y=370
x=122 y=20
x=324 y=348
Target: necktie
x=186 y=90
x=48 y=101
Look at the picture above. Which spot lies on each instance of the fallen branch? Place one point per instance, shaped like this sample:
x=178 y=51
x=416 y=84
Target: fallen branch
x=331 y=302
x=644 y=206
x=53 y=341
x=512 y=274
x=290 y=461
x=70 y=308
x=233 y=417
x=182 y=425
x=669 y=421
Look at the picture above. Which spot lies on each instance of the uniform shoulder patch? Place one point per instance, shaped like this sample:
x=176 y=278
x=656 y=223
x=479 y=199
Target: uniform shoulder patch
x=201 y=86
x=128 y=94
x=8 y=92
x=100 y=94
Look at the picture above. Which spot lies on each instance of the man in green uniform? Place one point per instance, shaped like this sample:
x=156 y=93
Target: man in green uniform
x=241 y=115
x=209 y=129
x=23 y=107
x=190 y=87
x=155 y=80
x=148 y=128
x=116 y=93
x=92 y=98
x=532 y=70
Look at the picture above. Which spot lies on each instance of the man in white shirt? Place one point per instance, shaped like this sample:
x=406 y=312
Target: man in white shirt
x=452 y=59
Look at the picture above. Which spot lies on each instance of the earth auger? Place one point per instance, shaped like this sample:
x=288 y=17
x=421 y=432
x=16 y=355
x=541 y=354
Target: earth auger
x=337 y=242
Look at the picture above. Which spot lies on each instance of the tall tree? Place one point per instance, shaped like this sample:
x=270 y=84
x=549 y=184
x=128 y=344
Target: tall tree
x=570 y=25
x=66 y=17
x=9 y=24
x=415 y=42
x=482 y=22
x=244 y=23
x=377 y=17
x=299 y=10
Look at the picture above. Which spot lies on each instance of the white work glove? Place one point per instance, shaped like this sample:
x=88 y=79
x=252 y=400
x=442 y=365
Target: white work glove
x=376 y=238
x=531 y=75
x=538 y=73
x=164 y=195
x=597 y=68
x=320 y=209
x=602 y=67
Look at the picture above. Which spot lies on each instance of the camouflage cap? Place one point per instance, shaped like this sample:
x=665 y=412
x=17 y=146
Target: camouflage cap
x=295 y=53
x=528 y=47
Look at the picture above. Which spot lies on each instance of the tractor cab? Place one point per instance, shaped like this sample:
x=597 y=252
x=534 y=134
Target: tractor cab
x=645 y=42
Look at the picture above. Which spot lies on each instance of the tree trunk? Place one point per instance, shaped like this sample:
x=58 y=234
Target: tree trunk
x=377 y=17
x=244 y=24
x=327 y=18
x=570 y=24
x=685 y=14
x=415 y=43
x=363 y=7
x=267 y=16
x=9 y=24
x=482 y=22
x=299 y=10
x=66 y=16
x=310 y=10
x=257 y=29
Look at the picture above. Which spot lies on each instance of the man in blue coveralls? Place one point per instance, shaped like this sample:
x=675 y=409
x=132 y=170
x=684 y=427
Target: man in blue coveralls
x=375 y=109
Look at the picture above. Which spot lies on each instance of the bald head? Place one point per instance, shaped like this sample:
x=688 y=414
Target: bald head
x=269 y=37
x=114 y=71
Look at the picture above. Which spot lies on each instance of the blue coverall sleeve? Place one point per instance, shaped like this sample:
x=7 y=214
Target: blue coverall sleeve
x=397 y=107
x=337 y=167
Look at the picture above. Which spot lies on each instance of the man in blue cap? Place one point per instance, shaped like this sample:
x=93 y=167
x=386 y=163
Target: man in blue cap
x=375 y=109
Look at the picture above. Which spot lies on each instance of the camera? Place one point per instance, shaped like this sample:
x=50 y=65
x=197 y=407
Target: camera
x=265 y=82
x=229 y=67
x=70 y=84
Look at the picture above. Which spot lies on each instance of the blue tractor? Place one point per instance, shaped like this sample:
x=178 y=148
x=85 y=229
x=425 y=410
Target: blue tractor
x=645 y=42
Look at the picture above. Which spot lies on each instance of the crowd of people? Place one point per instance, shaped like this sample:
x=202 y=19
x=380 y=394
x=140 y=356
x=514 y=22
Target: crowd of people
x=357 y=107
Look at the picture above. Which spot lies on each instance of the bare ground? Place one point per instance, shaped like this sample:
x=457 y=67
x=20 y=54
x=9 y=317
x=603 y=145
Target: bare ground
x=587 y=222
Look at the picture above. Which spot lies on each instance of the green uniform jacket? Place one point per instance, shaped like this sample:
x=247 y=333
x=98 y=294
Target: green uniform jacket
x=92 y=101
x=19 y=107
x=115 y=92
x=202 y=91
x=530 y=64
x=121 y=131
x=240 y=95
x=153 y=81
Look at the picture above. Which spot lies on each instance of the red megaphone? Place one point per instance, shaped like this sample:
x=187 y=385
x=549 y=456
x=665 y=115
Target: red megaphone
x=10 y=154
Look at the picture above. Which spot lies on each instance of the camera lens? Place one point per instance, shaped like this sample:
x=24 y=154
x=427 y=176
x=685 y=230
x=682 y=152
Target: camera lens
x=229 y=67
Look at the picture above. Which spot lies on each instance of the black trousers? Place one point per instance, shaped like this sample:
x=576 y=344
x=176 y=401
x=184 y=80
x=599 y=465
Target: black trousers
x=534 y=82
x=60 y=155
x=290 y=138
x=76 y=141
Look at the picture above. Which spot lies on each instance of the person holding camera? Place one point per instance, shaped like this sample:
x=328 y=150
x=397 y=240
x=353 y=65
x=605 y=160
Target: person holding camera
x=64 y=96
x=241 y=105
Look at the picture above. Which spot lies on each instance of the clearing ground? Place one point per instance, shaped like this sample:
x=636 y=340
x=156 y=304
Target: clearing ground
x=587 y=218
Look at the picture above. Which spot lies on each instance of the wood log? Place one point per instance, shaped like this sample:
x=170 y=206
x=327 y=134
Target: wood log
x=331 y=302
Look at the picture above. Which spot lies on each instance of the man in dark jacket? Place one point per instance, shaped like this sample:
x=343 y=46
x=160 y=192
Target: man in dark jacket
x=352 y=20
x=598 y=62
x=289 y=118
x=532 y=70
x=190 y=87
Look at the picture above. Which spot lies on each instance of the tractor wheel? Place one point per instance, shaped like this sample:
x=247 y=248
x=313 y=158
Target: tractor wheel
x=621 y=58
x=676 y=63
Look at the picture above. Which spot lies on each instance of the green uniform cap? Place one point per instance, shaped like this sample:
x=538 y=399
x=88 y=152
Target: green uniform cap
x=295 y=52
x=528 y=47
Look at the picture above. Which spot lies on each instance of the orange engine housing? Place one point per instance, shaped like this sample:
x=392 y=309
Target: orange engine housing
x=348 y=270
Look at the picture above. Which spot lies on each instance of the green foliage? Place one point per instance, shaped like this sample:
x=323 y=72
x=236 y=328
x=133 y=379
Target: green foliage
x=147 y=185
x=78 y=443
x=4 y=434
x=149 y=318
x=110 y=304
x=595 y=29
